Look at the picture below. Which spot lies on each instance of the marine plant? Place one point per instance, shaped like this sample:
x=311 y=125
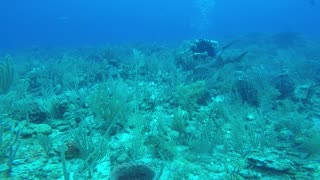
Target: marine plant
x=179 y=121
x=247 y=92
x=160 y=140
x=188 y=96
x=9 y=145
x=311 y=143
x=92 y=151
x=110 y=101
x=285 y=85
x=45 y=142
x=6 y=74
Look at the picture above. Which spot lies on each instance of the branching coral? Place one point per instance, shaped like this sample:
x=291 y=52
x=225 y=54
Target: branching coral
x=6 y=74
x=111 y=102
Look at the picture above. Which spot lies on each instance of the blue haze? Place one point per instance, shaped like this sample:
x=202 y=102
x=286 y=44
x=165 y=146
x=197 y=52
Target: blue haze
x=36 y=23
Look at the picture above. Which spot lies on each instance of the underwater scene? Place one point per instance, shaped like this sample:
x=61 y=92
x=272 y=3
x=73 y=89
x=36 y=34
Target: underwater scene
x=160 y=90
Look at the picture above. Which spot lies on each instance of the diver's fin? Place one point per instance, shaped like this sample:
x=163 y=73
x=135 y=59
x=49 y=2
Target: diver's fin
x=228 y=45
x=237 y=58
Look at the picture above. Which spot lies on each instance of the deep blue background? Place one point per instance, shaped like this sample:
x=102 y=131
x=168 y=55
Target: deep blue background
x=40 y=23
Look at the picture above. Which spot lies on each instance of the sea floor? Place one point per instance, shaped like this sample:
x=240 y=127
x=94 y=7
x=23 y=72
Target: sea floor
x=246 y=108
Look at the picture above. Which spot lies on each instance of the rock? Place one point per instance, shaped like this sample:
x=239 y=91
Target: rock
x=37 y=114
x=60 y=108
x=3 y=168
x=42 y=129
x=56 y=123
x=31 y=129
x=26 y=132
x=36 y=129
x=60 y=125
x=219 y=98
x=123 y=158
x=248 y=174
x=301 y=91
x=250 y=117
x=63 y=128
x=271 y=163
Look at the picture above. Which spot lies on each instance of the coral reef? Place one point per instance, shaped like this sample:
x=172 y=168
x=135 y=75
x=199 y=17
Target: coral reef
x=198 y=110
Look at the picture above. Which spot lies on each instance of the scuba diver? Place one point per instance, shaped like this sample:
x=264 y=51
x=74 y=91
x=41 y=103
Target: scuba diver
x=203 y=48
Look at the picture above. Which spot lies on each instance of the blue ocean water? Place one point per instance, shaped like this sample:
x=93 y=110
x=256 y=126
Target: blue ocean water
x=160 y=90
x=37 y=23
